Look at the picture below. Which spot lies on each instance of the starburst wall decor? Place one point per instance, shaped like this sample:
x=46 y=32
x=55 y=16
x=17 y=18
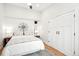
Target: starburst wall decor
x=23 y=27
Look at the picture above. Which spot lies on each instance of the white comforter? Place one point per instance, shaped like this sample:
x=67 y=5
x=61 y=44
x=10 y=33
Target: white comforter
x=21 y=45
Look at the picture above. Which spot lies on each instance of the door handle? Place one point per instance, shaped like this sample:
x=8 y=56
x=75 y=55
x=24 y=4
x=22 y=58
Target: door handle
x=58 y=32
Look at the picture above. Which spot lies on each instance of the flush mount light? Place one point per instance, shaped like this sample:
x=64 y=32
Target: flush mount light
x=29 y=5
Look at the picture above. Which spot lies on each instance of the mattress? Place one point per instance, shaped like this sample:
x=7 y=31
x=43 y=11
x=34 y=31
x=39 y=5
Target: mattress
x=21 y=45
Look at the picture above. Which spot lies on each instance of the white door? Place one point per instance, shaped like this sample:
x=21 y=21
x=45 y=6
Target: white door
x=77 y=32
x=62 y=32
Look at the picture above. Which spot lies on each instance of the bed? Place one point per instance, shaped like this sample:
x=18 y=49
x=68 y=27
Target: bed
x=21 y=45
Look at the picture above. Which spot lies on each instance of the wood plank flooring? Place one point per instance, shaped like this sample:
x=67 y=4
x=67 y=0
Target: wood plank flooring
x=53 y=50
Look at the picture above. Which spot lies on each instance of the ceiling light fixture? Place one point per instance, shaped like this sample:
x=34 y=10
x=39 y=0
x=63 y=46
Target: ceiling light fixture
x=30 y=5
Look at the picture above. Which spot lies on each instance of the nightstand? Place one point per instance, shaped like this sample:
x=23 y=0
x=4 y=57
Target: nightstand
x=37 y=36
x=5 y=41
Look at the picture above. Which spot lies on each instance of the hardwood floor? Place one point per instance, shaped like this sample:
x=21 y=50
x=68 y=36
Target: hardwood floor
x=53 y=50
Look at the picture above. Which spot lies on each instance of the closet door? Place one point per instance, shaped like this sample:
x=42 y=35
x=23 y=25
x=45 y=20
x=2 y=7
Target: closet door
x=56 y=37
x=77 y=32
x=62 y=33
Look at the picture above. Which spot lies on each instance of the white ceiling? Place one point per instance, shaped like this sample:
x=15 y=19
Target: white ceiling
x=35 y=6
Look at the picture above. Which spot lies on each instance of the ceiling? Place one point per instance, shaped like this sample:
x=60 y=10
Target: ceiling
x=35 y=6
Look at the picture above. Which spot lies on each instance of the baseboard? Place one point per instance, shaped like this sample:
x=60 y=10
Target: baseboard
x=53 y=50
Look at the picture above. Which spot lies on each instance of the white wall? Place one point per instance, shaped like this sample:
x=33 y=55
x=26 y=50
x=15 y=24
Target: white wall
x=1 y=18
x=19 y=12
x=14 y=23
x=53 y=12
x=11 y=16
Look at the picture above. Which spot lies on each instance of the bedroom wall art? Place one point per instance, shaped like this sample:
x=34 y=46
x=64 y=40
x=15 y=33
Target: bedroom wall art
x=23 y=27
x=14 y=23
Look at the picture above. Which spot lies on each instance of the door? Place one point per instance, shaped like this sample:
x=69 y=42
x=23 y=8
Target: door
x=77 y=31
x=62 y=32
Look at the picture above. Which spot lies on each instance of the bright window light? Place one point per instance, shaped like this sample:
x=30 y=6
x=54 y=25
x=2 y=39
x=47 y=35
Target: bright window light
x=7 y=29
